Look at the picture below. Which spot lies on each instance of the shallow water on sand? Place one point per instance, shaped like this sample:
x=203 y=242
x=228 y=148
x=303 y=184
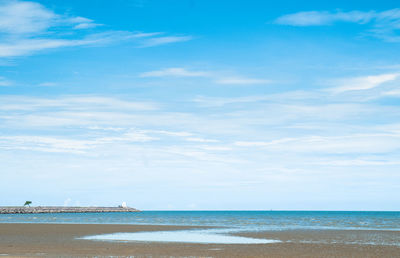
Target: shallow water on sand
x=212 y=236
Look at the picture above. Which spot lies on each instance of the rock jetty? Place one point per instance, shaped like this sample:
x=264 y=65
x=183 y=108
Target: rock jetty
x=61 y=209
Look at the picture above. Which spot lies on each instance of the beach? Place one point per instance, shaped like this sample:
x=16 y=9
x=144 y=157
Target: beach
x=199 y=128
x=61 y=240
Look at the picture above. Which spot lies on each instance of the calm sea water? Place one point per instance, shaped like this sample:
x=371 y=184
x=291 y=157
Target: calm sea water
x=241 y=220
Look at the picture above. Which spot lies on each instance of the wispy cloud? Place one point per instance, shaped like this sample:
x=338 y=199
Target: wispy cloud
x=171 y=133
x=393 y=93
x=28 y=27
x=284 y=97
x=356 y=162
x=136 y=141
x=175 y=72
x=25 y=17
x=68 y=103
x=241 y=80
x=47 y=84
x=140 y=34
x=5 y=82
x=83 y=23
x=30 y=18
x=28 y=46
x=130 y=136
x=384 y=25
x=68 y=145
x=363 y=83
x=215 y=148
x=215 y=76
x=197 y=139
x=156 y=41
x=356 y=143
x=319 y=18
x=44 y=144
x=215 y=102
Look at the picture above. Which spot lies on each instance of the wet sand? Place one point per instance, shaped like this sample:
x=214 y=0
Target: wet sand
x=59 y=240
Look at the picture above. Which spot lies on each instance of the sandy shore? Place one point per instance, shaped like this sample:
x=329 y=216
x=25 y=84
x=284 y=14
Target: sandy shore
x=59 y=240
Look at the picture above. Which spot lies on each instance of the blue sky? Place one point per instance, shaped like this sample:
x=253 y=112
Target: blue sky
x=201 y=104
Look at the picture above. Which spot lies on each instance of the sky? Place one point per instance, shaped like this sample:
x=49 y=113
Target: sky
x=201 y=105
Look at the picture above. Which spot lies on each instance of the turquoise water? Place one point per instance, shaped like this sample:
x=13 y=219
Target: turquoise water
x=243 y=220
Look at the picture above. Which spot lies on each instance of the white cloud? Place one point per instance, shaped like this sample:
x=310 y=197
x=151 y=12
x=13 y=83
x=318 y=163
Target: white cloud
x=30 y=18
x=146 y=35
x=384 y=25
x=70 y=145
x=219 y=79
x=175 y=72
x=83 y=23
x=72 y=103
x=79 y=19
x=317 y=18
x=216 y=102
x=24 y=25
x=28 y=46
x=201 y=155
x=45 y=144
x=28 y=27
x=132 y=136
x=138 y=142
x=356 y=162
x=197 y=139
x=171 y=133
x=102 y=128
x=86 y=25
x=241 y=80
x=5 y=82
x=356 y=143
x=48 y=84
x=284 y=97
x=156 y=41
x=215 y=148
x=363 y=83
x=262 y=144
x=392 y=93
x=25 y=17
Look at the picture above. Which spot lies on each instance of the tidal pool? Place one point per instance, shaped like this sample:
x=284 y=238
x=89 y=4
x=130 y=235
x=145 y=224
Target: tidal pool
x=186 y=236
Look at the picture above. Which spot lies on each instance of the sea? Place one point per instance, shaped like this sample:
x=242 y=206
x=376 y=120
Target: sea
x=226 y=223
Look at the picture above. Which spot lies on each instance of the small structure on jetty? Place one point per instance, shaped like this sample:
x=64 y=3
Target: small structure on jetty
x=62 y=209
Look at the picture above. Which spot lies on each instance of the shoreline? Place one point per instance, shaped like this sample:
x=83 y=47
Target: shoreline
x=32 y=239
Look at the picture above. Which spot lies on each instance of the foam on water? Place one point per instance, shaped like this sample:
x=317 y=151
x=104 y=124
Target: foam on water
x=186 y=236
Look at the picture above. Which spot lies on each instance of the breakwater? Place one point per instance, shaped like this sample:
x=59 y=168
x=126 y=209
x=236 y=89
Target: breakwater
x=62 y=209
